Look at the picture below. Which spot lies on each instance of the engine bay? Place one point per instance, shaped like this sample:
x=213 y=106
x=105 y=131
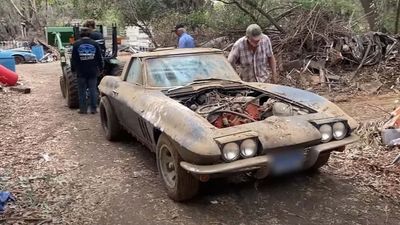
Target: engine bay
x=227 y=108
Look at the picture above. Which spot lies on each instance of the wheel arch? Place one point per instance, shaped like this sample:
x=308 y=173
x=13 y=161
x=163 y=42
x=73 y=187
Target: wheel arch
x=19 y=55
x=156 y=135
x=14 y=55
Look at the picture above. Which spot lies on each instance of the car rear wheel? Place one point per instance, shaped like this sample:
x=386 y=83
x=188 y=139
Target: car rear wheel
x=323 y=159
x=180 y=184
x=19 y=59
x=109 y=121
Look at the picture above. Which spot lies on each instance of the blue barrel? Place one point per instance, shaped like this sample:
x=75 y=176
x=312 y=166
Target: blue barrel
x=38 y=51
x=7 y=60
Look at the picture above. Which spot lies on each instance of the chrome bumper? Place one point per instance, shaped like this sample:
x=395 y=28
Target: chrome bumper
x=264 y=160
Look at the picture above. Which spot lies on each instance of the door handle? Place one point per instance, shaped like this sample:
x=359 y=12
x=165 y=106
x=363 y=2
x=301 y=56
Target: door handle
x=115 y=92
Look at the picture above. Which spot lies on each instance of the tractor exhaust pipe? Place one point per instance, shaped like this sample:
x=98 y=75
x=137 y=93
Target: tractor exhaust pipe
x=76 y=32
x=114 y=41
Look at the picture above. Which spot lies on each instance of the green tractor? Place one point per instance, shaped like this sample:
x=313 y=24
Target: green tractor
x=63 y=38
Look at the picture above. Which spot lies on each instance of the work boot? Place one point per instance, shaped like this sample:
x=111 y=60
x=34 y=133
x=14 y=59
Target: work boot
x=93 y=111
x=81 y=112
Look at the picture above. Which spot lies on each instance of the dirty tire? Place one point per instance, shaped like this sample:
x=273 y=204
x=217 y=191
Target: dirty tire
x=109 y=121
x=185 y=186
x=19 y=59
x=62 y=86
x=321 y=161
x=71 y=89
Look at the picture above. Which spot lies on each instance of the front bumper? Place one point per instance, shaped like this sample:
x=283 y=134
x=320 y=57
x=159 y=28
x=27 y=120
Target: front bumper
x=264 y=160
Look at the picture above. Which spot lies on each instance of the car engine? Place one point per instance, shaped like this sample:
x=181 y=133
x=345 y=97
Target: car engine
x=231 y=108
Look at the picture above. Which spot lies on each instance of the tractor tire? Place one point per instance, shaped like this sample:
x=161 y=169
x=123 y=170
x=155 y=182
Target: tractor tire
x=71 y=89
x=179 y=183
x=117 y=70
x=109 y=120
x=62 y=86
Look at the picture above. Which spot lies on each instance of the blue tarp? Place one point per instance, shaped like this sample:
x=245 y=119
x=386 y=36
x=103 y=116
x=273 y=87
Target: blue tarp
x=5 y=196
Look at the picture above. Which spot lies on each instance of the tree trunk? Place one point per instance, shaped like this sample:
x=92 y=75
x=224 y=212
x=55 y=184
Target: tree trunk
x=397 y=18
x=371 y=13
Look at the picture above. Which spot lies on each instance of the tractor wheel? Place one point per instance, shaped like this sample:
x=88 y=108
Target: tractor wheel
x=71 y=89
x=62 y=86
x=117 y=70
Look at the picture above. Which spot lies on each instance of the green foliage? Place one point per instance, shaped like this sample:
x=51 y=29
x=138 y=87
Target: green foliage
x=210 y=15
x=387 y=14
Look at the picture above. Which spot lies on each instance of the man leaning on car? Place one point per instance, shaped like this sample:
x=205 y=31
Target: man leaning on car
x=252 y=54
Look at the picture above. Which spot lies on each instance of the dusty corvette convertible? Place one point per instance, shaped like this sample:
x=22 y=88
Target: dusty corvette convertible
x=190 y=107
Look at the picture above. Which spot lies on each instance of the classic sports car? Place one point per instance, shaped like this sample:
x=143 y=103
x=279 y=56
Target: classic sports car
x=190 y=107
x=22 y=56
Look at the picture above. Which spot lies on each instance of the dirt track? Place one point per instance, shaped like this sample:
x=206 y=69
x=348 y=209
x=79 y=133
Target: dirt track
x=62 y=170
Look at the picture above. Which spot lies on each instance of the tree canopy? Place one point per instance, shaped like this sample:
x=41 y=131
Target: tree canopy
x=382 y=15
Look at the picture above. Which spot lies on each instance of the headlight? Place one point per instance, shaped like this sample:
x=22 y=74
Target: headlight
x=326 y=133
x=231 y=151
x=248 y=148
x=339 y=130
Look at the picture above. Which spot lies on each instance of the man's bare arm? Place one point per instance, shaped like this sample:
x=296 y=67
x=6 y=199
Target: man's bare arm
x=272 y=65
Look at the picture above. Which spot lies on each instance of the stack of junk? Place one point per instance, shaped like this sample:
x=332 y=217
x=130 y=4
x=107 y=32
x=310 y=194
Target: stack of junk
x=391 y=129
x=391 y=132
x=8 y=76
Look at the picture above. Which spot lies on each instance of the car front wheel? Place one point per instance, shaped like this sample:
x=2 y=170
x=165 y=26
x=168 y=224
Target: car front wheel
x=19 y=59
x=180 y=184
x=323 y=159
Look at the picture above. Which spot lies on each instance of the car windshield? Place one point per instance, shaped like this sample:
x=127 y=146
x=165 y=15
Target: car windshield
x=174 y=71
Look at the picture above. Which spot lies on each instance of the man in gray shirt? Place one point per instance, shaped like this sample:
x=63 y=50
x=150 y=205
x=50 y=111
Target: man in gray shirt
x=253 y=54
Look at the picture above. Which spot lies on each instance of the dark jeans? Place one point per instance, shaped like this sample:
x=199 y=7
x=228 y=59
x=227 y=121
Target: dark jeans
x=85 y=84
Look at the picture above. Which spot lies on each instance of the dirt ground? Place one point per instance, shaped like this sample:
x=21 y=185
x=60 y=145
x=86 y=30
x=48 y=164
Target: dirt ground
x=62 y=171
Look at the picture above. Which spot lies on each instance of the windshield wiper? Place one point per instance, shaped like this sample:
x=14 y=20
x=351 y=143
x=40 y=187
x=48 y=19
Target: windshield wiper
x=214 y=79
x=199 y=81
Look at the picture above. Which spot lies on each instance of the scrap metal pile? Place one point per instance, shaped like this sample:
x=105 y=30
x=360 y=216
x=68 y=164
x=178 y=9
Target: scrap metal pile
x=391 y=129
x=320 y=48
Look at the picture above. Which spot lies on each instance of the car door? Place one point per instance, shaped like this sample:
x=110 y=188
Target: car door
x=129 y=91
x=115 y=85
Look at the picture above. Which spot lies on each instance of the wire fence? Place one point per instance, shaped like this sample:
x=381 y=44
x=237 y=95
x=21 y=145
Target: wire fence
x=13 y=44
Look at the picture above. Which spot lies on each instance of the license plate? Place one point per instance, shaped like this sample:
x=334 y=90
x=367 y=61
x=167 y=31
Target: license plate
x=287 y=161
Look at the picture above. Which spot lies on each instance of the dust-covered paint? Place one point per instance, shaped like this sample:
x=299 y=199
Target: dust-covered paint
x=196 y=135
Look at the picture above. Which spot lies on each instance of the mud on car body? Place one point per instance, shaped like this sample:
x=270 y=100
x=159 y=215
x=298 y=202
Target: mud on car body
x=191 y=108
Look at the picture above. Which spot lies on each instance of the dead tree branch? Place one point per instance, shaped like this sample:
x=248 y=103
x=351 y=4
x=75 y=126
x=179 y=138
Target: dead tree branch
x=253 y=17
x=265 y=14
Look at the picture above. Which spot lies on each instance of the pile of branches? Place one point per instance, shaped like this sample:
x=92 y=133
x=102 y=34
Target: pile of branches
x=309 y=33
x=321 y=43
x=324 y=36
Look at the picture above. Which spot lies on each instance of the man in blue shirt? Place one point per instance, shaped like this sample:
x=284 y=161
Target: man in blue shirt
x=184 y=39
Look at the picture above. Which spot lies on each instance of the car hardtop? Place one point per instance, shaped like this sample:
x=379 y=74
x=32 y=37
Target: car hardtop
x=175 y=51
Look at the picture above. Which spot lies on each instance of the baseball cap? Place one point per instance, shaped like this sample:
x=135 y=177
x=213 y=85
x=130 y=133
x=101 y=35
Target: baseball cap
x=178 y=26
